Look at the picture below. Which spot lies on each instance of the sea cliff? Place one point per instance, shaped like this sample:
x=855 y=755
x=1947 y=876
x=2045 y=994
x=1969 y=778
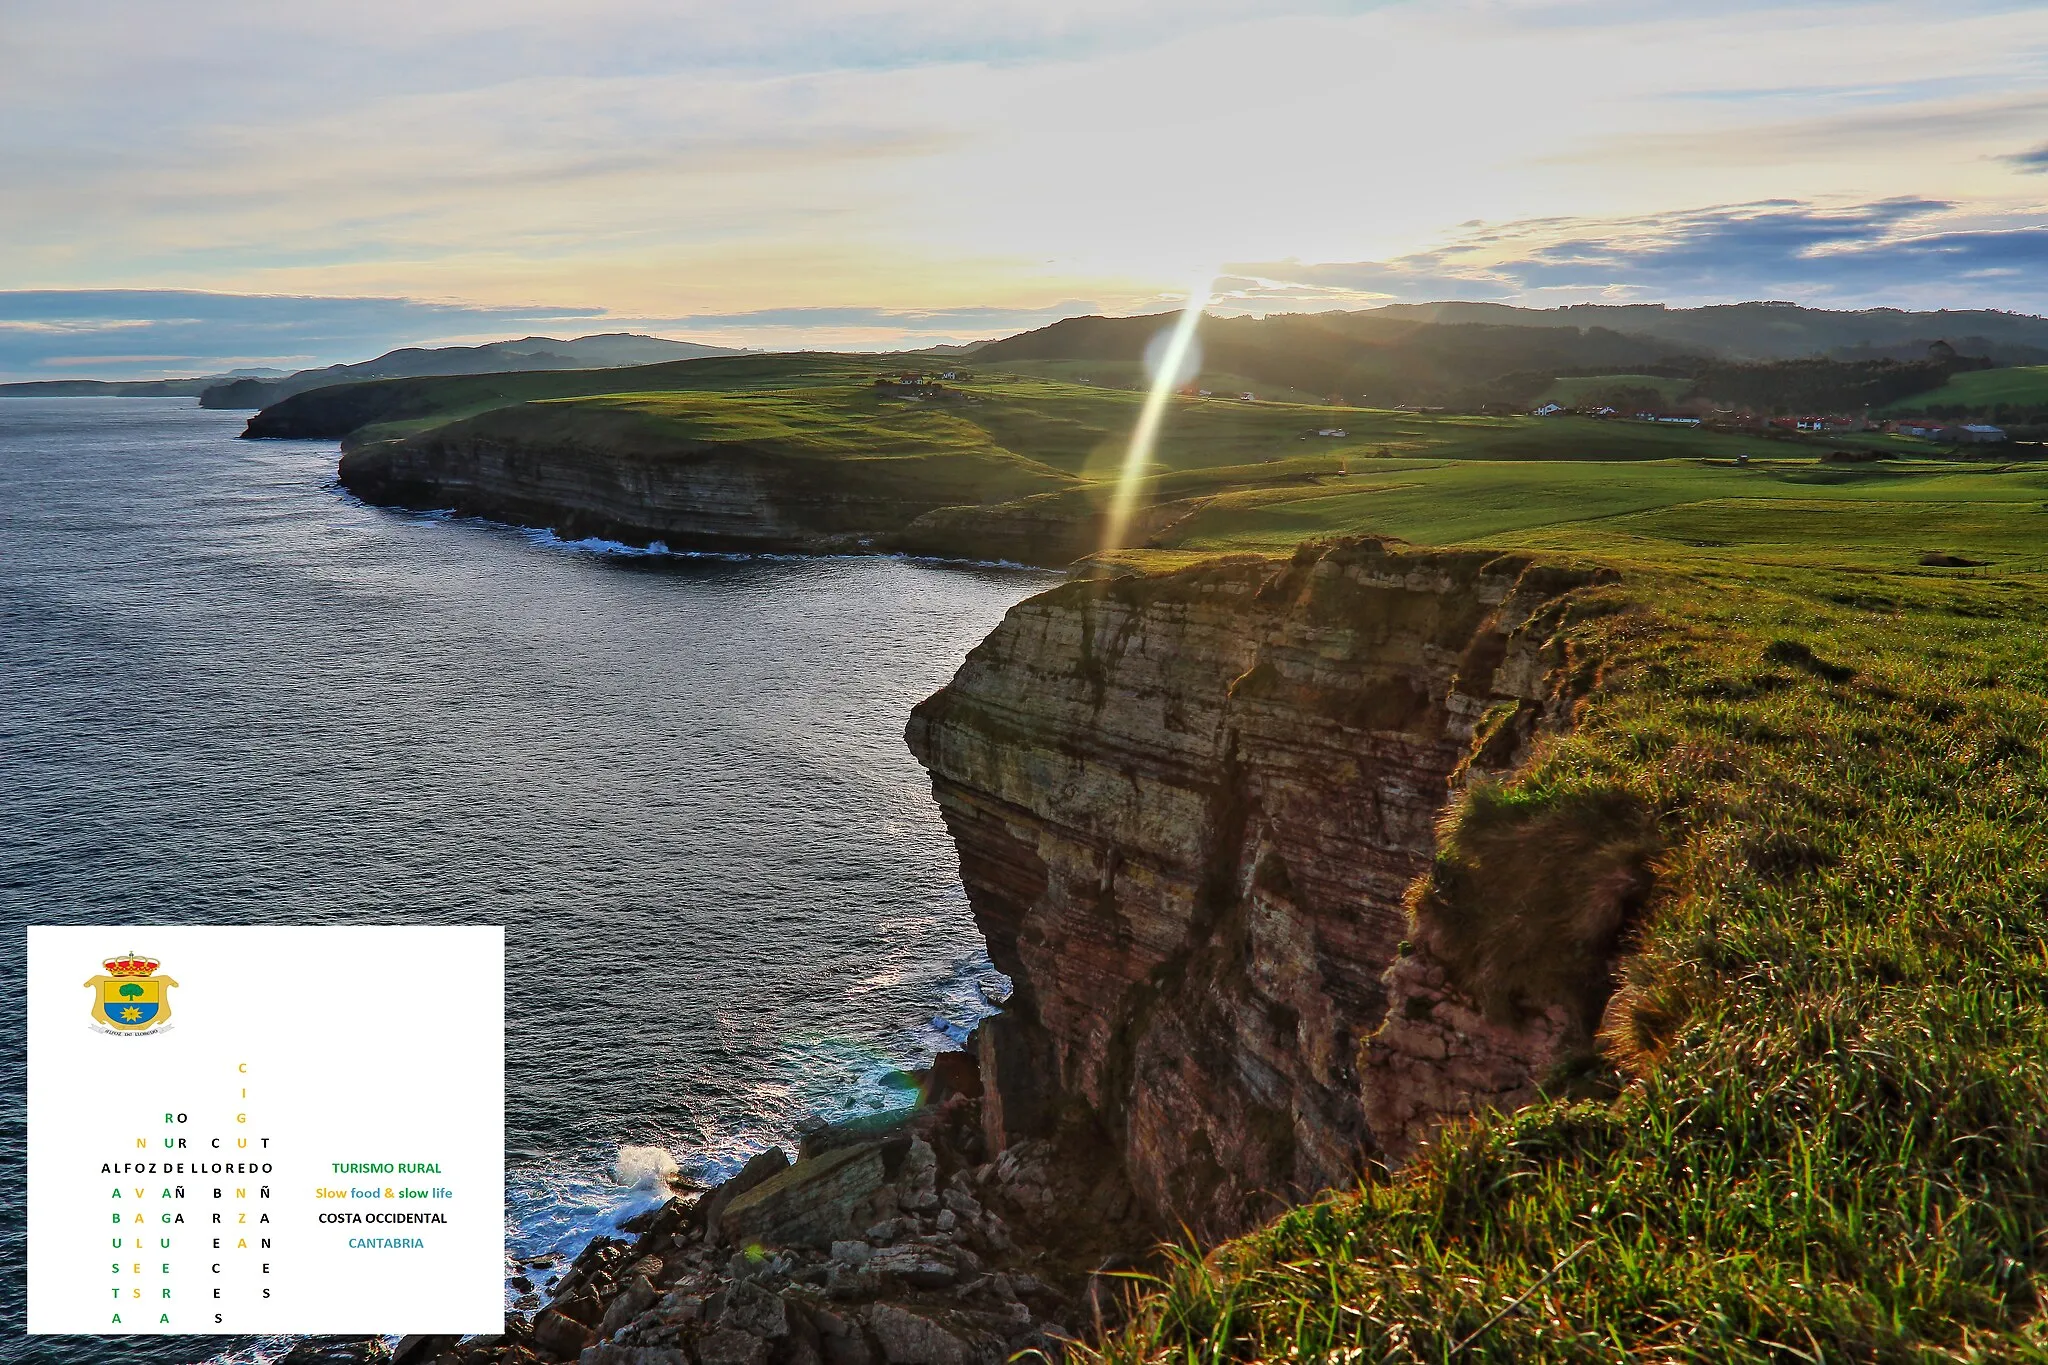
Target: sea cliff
x=1198 y=817
x=614 y=474
x=1193 y=811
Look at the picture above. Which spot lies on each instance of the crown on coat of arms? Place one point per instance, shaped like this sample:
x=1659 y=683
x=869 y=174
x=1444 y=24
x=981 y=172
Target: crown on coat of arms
x=131 y=965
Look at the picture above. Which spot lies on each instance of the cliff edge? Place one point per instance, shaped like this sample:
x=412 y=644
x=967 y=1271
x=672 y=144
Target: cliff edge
x=1193 y=811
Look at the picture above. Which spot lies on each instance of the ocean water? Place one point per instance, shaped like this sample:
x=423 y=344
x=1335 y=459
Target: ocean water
x=229 y=693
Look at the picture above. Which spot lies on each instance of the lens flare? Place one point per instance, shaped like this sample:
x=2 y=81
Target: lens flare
x=1167 y=375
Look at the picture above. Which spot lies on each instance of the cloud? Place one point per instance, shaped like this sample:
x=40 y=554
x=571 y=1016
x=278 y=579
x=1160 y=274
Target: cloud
x=869 y=328
x=1899 y=252
x=123 y=333
x=151 y=333
x=2034 y=159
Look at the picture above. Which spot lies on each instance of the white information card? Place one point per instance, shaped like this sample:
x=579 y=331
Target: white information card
x=266 y=1130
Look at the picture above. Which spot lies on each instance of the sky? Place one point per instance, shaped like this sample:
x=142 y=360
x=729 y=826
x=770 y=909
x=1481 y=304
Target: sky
x=195 y=187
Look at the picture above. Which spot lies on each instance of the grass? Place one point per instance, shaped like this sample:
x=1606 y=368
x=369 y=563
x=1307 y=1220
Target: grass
x=1818 y=1127
x=2021 y=386
x=1797 y=509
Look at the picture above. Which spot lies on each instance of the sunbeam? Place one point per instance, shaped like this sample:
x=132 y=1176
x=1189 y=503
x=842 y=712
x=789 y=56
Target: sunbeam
x=1166 y=377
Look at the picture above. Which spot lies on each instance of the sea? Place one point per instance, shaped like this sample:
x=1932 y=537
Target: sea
x=232 y=693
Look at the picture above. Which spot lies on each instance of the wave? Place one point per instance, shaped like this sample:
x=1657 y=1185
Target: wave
x=659 y=549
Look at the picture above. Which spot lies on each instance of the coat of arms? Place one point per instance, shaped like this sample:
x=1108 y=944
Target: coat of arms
x=131 y=997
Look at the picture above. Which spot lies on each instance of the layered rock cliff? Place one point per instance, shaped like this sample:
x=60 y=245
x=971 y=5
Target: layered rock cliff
x=1189 y=809
x=611 y=475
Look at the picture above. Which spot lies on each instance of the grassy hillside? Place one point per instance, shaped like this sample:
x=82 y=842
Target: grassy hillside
x=1081 y=428
x=1880 y=516
x=1819 y=1130
x=378 y=409
x=1770 y=331
x=1984 y=391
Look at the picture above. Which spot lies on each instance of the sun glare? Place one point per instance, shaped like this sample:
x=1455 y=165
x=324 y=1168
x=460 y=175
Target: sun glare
x=1172 y=364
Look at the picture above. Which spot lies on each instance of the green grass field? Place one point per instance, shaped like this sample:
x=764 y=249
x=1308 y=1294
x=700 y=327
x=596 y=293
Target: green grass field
x=1882 y=515
x=2021 y=386
x=1818 y=1130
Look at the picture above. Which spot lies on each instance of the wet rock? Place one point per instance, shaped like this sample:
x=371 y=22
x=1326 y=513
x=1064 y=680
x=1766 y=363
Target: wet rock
x=330 y=1351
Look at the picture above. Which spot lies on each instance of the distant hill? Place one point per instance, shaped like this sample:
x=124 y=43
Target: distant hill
x=1771 y=331
x=1467 y=355
x=109 y=388
x=606 y=351
x=1359 y=357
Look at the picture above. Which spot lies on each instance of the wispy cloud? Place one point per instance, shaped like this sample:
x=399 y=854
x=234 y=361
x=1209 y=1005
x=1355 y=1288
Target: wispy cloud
x=122 y=333
x=1907 y=252
x=2034 y=159
x=150 y=333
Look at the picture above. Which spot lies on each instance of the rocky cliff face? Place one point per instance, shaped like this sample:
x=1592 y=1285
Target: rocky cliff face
x=605 y=476
x=1188 y=809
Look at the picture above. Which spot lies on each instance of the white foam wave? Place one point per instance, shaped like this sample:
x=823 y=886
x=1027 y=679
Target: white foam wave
x=659 y=549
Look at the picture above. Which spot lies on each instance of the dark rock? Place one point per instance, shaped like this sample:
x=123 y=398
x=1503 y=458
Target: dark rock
x=419 y=1349
x=757 y=1312
x=612 y=1354
x=634 y=1300
x=810 y=1204
x=912 y=1338
x=921 y=1266
x=840 y=1338
x=952 y=1073
x=855 y=1132
x=761 y=1167
x=729 y=1346
x=561 y=1337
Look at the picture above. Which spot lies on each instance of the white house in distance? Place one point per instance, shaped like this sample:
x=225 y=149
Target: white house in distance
x=1330 y=431
x=1548 y=410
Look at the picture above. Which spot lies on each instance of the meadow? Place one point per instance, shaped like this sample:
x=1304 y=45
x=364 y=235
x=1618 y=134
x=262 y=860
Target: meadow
x=2019 y=386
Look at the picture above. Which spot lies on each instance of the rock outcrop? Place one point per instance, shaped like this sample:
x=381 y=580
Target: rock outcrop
x=1188 y=808
x=904 y=1246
